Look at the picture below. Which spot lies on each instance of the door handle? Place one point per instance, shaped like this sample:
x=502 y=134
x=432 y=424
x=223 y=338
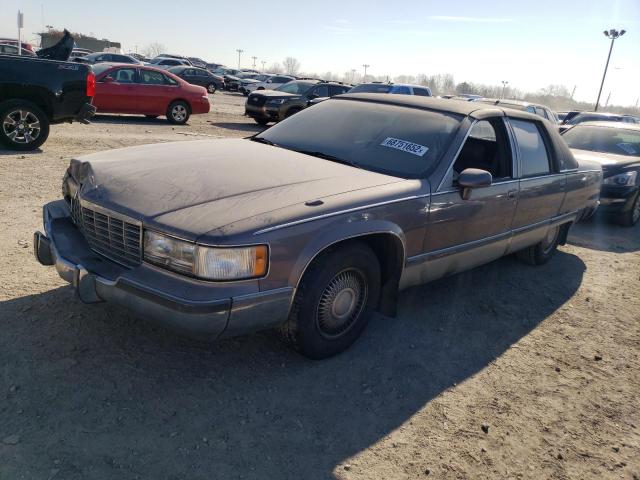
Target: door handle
x=512 y=194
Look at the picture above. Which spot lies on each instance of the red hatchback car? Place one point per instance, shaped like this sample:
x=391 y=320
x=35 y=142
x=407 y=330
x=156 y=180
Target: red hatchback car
x=148 y=91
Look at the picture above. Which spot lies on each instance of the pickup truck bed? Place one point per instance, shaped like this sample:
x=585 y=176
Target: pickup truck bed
x=35 y=93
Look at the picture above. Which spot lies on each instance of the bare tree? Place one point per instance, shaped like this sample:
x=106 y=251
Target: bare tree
x=275 y=68
x=153 y=49
x=291 y=65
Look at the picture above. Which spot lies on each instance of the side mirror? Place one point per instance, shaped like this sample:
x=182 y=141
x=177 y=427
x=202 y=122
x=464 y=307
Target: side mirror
x=108 y=80
x=471 y=178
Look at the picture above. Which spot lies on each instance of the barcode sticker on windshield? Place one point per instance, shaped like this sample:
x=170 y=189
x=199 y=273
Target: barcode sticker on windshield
x=408 y=147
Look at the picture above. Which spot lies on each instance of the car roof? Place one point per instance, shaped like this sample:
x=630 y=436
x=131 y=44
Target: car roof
x=616 y=125
x=498 y=101
x=476 y=110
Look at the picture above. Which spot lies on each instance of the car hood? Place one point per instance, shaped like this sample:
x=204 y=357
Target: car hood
x=190 y=188
x=275 y=94
x=610 y=162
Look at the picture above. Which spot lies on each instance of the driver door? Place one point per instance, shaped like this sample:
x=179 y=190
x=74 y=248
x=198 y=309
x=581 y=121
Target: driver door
x=115 y=91
x=463 y=233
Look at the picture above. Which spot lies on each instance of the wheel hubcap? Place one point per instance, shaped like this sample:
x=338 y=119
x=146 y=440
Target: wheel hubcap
x=341 y=303
x=21 y=126
x=636 y=210
x=179 y=113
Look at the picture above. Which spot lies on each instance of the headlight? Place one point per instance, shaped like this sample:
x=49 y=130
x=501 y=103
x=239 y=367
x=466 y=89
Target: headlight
x=277 y=101
x=626 y=179
x=210 y=263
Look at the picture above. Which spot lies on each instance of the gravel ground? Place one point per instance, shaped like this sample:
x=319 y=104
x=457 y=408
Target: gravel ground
x=507 y=371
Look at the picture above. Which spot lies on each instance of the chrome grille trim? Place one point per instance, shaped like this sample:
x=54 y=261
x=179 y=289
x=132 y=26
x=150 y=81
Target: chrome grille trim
x=109 y=233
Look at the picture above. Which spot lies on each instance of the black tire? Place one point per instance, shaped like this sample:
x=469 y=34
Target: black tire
x=23 y=125
x=334 y=301
x=541 y=252
x=151 y=117
x=632 y=215
x=178 y=112
x=260 y=88
x=261 y=121
x=211 y=88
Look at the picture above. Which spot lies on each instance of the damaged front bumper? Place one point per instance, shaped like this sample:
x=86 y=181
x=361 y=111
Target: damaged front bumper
x=203 y=310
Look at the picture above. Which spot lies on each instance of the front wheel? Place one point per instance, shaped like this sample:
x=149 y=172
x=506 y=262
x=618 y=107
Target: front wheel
x=178 y=113
x=23 y=125
x=541 y=252
x=632 y=215
x=261 y=121
x=334 y=301
x=211 y=88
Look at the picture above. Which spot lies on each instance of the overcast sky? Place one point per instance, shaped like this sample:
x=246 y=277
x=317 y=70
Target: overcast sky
x=530 y=43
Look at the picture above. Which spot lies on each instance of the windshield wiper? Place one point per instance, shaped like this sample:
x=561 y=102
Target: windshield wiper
x=329 y=157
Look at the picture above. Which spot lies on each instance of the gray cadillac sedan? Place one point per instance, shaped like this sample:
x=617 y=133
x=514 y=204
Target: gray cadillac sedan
x=319 y=221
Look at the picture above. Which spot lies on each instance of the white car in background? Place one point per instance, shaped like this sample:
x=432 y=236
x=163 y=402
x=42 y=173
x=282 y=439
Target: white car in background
x=271 y=83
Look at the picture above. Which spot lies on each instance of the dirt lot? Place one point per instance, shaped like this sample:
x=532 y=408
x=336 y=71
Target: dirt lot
x=507 y=371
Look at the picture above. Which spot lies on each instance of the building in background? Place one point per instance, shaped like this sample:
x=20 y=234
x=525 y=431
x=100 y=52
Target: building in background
x=51 y=37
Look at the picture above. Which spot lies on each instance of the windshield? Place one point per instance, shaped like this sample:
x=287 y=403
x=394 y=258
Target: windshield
x=371 y=88
x=297 y=88
x=586 y=117
x=603 y=139
x=100 y=67
x=399 y=141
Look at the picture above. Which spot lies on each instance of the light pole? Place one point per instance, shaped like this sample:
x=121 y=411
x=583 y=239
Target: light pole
x=613 y=34
x=239 y=54
x=263 y=64
x=504 y=86
x=353 y=74
x=364 y=78
x=254 y=61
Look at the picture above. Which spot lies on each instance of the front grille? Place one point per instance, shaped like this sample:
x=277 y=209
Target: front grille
x=258 y=100
x=109 y=234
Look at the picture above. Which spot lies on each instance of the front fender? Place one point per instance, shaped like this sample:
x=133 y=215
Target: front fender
x=341 y=229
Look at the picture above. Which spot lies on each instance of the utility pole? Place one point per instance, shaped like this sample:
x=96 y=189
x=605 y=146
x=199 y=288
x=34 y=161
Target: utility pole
x=239 y=50
x=366 y=65
x=573 y=92
x=613 y=34
x=607 y=102
x=264 y=62
x=504 y=86
x=20 y=25
x=254 y=61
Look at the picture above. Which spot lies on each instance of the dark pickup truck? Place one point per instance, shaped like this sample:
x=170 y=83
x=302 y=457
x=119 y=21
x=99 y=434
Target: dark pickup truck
x=35 y=93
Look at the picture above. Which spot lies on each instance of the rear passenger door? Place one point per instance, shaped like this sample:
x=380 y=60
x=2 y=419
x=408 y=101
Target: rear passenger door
x=154 y=92
x=542 y=185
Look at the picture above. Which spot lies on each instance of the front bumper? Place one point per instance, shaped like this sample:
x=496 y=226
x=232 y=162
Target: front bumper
x=202 y=310
x=86 y=112
x=617 y=199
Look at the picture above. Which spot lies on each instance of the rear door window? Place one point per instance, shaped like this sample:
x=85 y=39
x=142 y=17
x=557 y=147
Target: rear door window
x=320 y=91
x=150 y=77
x=534 y=154
x=422 y=92
x=123 y=75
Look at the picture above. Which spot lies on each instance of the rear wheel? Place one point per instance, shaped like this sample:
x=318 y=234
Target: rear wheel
x=211 y=88
x=261 y=121
x=334 y=301
x=632 y=215
x=178 y=112
x=541 y=252
x=23 y=125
